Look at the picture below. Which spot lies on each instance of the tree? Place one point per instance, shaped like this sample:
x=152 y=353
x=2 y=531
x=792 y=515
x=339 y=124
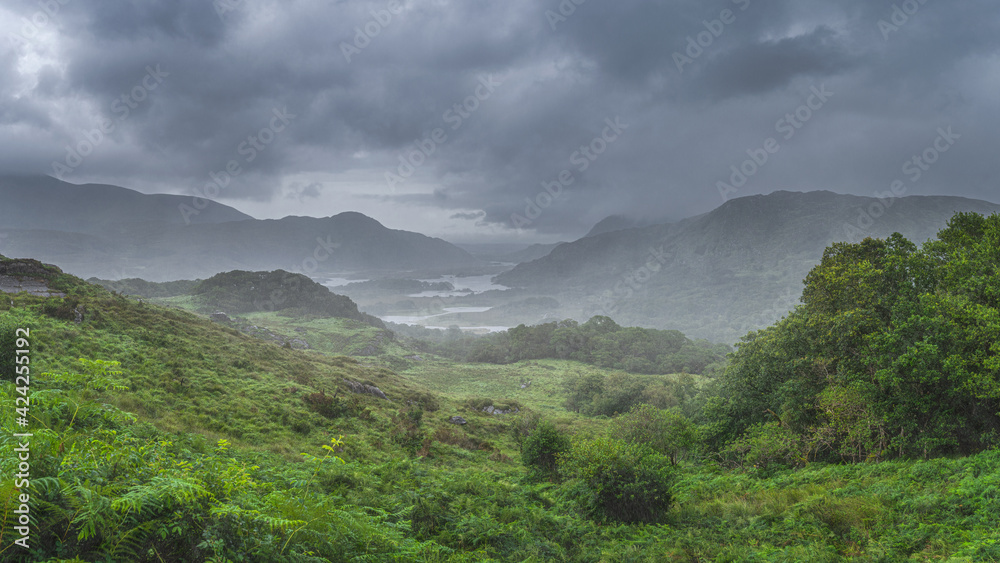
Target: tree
x=894 y=350
x=667 y=432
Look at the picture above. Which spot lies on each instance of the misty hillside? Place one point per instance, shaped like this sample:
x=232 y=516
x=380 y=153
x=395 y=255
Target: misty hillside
x=114 y=233
x=240 y=292
x=48 y=204
x=720 y=274
x=619 y=222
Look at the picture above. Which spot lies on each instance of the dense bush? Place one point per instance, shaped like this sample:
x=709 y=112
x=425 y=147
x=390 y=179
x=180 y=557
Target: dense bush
x=540 y=450
x=619 y=481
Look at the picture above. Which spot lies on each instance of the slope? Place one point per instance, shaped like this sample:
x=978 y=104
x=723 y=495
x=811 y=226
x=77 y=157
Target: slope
x=46 y=203
x=720 y=274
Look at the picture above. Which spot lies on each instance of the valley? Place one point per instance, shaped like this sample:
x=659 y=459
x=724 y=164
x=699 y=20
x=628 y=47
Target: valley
x=501 y=412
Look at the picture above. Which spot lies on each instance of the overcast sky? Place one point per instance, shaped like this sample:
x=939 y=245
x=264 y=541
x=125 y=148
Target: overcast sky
x=315 y=104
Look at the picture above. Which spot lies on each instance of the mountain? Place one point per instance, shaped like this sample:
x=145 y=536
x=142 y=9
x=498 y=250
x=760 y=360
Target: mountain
x=119 y=233
x=533 y=252
x=620 y=222
x=731 y=270
x=241 y=292
x=46 y=203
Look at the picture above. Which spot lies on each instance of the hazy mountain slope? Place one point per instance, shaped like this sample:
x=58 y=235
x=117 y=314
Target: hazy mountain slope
x=720 y=274
x=45 y=203
x=619 y=222
x=533 y=252
x=112 y=233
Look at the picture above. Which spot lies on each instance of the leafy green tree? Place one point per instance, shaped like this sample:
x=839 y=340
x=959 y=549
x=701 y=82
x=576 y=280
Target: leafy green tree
x=667 y=432
x=894 y=350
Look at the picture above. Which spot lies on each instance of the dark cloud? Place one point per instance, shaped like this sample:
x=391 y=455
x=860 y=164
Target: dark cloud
x=369 y=85
x=468 y=216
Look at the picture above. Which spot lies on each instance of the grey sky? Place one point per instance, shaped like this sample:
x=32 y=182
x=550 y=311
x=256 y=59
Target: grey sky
x=502 y=95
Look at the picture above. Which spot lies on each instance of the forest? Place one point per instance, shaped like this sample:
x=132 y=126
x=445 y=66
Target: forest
x=863 y=425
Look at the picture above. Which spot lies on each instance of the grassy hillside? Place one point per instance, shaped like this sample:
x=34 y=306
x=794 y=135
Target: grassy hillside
x=236 y=446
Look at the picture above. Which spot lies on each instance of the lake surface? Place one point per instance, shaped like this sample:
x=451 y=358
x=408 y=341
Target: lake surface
x=417 y=320
x=412 y=320
x=477 y=284
x=339 y=282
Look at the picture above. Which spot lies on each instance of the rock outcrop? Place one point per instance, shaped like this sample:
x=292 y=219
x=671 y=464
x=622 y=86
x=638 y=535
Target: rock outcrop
x=363 y=389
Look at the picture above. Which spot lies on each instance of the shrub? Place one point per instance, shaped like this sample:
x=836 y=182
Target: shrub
x=523 y=424
x=540 y=450
x=325 y=405
x=408 y=430
x=766 y=446
x=8 y=338
x=619 y=481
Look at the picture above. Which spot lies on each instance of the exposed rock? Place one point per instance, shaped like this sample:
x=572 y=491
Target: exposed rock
x=300 y=329
x=457 y=420
x=493 y=410
x=356 y=387
x=414 y=357
x=220 y=317
x=27 y=275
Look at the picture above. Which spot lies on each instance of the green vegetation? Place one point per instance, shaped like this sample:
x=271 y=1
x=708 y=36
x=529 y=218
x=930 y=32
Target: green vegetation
x=599 y=341
x=244 y=292
x=893 y=353
x=542 y=447
x=142 y=288
x=863 y=426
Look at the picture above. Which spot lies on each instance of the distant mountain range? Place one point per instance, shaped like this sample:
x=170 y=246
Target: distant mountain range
x=723 y=273
x=112 y=233
x=47 y=204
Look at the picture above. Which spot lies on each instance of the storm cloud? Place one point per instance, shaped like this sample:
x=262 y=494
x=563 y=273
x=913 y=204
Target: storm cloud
x=524 y=119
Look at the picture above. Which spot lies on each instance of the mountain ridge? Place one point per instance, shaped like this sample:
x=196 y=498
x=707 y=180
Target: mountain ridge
x=167 y=249
x=728 y=271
